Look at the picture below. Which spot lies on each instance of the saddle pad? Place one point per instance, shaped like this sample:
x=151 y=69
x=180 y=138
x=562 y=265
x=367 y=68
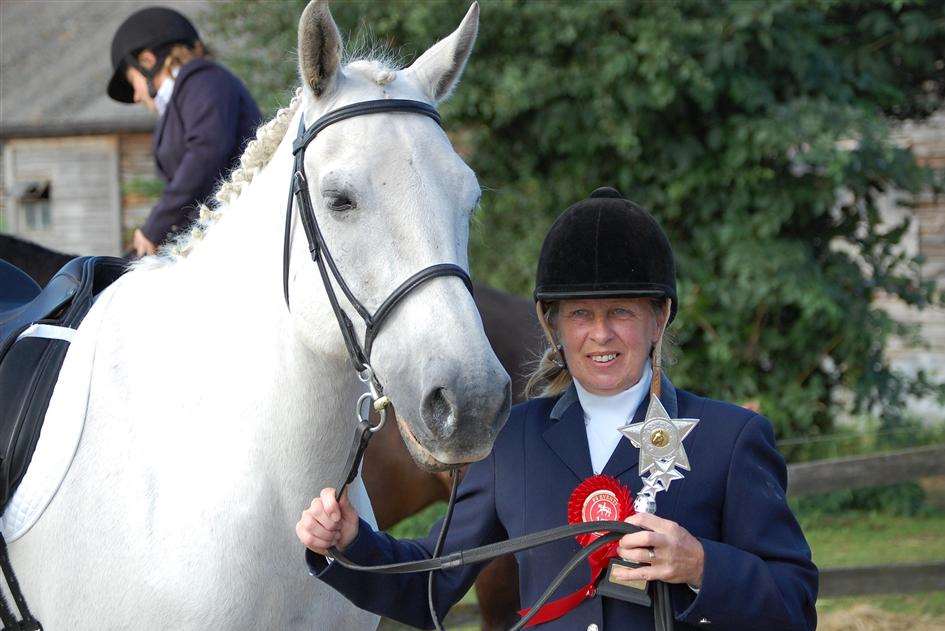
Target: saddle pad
x=60 y=434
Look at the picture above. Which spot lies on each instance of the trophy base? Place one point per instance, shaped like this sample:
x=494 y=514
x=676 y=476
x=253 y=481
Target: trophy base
x=630 y=591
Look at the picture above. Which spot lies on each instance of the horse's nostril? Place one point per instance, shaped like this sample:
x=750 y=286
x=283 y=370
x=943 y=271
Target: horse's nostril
x=439 y=413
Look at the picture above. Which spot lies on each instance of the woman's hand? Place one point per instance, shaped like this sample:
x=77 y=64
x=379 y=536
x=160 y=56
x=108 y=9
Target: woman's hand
x=672 y=554
x=142 y=245
x=328 y=523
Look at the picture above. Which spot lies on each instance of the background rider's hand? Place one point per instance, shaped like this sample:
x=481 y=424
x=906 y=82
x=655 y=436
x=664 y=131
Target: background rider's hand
x=142 y=245
x=328 y=523
x=679 y=557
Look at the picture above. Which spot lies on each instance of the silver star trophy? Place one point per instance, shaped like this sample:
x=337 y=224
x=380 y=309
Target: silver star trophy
x=660 y=441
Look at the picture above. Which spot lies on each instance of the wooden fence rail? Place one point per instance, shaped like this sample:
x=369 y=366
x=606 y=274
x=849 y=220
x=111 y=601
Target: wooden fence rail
x=903 y=578
x=859 y=472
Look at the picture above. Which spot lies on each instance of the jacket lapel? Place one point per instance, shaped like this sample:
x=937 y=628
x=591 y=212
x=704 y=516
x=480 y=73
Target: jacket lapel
x=567 y=438
x=186 y=71
x=626 y=456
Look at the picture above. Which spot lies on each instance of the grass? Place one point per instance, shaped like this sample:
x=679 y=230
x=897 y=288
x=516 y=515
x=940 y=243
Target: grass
x=876 y=539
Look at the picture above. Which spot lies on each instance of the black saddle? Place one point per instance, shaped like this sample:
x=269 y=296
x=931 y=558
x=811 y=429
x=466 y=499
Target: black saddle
x=30 y=359
x=18 y=289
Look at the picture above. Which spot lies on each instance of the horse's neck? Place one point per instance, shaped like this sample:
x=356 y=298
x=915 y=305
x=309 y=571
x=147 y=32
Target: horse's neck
x=219 y=318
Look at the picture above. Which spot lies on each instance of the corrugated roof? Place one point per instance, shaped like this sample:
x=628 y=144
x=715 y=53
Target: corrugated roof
x=55 y=65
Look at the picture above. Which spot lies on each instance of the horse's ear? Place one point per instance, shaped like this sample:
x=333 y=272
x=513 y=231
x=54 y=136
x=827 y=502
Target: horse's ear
x=319 y=47
x=438 y=70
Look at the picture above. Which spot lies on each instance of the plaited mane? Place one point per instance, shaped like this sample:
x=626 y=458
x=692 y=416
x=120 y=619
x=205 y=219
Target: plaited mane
x=379 y=67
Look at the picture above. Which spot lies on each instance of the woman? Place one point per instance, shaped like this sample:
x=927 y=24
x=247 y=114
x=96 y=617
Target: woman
x=206 y=115
x=723 y=537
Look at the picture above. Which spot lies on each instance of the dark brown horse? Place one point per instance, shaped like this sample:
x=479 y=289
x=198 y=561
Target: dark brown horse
x=397 y=487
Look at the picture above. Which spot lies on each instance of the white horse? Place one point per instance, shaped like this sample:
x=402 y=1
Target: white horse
x=215 y=414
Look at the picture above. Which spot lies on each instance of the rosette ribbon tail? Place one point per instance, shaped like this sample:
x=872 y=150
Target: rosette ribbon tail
x=598 y=498
x=560 y=606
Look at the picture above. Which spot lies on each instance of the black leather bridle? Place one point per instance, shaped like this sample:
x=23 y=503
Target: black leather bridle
x=360 y=355
x=360 y=359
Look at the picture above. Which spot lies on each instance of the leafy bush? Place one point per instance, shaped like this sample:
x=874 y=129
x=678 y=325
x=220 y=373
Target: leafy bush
x=756 y=132
x=905 y=500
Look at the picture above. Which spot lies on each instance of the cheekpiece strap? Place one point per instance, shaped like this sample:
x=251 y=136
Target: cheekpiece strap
x=299 y=195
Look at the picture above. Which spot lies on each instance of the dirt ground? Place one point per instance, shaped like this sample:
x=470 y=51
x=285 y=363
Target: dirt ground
x=869 y=618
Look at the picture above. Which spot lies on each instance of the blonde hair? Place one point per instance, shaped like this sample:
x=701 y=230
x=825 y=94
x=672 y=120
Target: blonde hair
x=550 y=376
x=180 y=54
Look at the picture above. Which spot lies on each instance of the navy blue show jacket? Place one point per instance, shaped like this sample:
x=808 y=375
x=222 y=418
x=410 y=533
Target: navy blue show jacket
x=758 y=572
x=209 y=119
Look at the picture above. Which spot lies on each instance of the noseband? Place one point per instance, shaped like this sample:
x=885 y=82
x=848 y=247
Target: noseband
x=360 y=359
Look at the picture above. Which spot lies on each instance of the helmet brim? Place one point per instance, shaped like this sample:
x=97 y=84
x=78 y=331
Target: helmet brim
x=552 y=294
x=118 y=87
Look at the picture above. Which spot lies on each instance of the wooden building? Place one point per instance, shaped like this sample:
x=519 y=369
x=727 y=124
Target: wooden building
x=926 y=238
x=76 y=170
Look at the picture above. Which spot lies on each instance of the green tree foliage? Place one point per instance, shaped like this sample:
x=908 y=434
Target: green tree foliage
x=756 y=132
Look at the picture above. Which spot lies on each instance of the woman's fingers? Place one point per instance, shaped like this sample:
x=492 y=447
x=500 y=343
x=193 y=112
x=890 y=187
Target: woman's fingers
x=330 y=504
x=328 y=522
x=312 y=541
x=319 y=527
x=642 y=539
x=638 y=555
x=669 y=551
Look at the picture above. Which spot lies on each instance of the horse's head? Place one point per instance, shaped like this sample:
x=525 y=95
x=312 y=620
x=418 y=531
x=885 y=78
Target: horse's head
x=391 y=198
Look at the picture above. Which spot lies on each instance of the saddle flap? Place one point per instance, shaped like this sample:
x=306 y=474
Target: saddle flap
x=18 y=288
x=29 y=366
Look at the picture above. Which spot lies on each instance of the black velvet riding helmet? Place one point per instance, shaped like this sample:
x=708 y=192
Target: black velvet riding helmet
x=147 y=28
x=606 y=247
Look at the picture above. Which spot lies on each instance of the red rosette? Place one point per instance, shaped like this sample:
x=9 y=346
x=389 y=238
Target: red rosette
x=598 y=498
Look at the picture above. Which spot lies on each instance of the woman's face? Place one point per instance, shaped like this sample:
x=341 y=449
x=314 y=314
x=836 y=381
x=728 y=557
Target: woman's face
x=140 y=84
x=606 y=341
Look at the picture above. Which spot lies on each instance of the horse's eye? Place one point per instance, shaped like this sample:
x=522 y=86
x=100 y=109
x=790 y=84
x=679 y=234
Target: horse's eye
x=339 y=202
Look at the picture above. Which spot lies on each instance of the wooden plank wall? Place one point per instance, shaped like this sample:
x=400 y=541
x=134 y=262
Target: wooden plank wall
x=84 y=193
x=4 y=222
x=926 y=237
x=136 y=166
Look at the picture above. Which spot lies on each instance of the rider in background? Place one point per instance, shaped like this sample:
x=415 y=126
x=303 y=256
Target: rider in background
x=206 y=114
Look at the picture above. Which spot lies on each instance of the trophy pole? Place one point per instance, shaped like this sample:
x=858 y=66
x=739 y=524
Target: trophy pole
x=662 y=454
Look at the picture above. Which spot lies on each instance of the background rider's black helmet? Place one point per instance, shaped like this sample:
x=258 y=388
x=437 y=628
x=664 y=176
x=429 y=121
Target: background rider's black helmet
x=148 y=28
x=606 y=247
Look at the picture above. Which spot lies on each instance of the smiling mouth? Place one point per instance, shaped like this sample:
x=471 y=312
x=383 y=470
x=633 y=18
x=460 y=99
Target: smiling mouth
x=603 y=358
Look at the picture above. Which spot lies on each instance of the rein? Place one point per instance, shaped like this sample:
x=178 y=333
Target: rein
x=360 y=358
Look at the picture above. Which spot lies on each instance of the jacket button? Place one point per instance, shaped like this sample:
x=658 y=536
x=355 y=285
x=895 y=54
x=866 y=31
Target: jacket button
x=592 y=627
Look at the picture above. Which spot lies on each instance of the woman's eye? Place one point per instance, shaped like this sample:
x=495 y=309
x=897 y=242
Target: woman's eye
x=580 y=313
x=620 y=312
x=340 y=203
